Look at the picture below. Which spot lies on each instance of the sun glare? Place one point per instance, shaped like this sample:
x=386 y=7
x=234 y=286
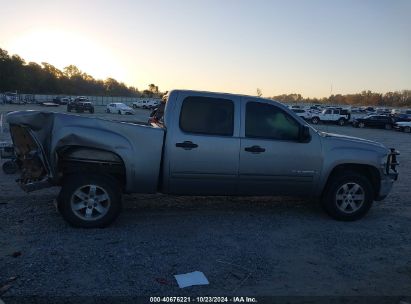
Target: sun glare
x=62 y=48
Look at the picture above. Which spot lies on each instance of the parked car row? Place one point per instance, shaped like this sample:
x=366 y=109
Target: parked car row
x=358 y=117
x=82 y=104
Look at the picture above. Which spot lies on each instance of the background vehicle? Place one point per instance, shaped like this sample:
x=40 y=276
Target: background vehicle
x=335 y=115
x=293 y=107
x=401 y=117
x=315 y=109
x=13 y=98
x=119 y=108
x=12 y=165
x=61 y=100
x=404 y=126
x=377 y=121
x=80 y=104
x=369 y=110
x=303 y=113
x=146 y=104
x=213 y=144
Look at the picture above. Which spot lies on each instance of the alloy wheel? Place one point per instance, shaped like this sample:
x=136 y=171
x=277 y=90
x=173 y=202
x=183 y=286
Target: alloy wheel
x=350 y=197
x=90 y=202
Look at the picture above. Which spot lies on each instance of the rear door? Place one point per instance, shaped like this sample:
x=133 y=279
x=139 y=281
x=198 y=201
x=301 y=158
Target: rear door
x=273 y=161
x=203 y=145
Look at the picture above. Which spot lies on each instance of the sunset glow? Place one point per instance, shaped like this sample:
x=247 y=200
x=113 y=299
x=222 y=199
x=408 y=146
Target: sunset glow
x=310 y=47
x=62 y=48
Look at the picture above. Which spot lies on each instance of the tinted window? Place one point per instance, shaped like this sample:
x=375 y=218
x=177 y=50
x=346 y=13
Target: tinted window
x=268 y=121
x=205 y=115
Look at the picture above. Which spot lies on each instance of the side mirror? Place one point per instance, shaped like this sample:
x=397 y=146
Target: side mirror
x=305 y=135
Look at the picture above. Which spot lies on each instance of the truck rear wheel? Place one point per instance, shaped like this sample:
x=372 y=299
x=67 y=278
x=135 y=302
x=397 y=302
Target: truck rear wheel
x=388 y=126
x=341 y=121
x=348 y=196
x=89 y=201
x=407 y=129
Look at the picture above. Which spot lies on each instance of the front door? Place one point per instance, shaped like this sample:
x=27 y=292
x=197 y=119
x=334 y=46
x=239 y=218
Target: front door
x=273 y=161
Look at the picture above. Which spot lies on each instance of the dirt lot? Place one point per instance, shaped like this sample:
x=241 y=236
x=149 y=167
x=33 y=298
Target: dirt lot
x=244 y=246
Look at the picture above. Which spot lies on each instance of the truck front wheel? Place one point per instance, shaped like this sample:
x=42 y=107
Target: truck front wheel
x=348 y=196
x=89 y=201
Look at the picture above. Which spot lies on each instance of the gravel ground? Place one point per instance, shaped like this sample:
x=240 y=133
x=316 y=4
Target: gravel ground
x=244 y=246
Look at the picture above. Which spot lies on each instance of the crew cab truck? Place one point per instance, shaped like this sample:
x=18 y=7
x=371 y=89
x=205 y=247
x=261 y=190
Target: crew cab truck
x=205 y=144
x=340 y=116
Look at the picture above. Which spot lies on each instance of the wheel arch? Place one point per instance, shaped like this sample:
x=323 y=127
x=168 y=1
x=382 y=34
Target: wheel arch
x=369 y=171
x=75 y=159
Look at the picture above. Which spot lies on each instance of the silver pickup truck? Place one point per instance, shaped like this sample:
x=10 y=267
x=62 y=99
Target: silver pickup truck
x=202 y=144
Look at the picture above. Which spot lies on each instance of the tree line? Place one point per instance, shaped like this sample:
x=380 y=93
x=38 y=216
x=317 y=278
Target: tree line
x=365 y=98
x=33 y=78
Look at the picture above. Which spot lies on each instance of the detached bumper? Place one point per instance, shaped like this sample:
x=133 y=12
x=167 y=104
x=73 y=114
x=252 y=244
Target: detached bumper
x=386 y=185
x=389 y=175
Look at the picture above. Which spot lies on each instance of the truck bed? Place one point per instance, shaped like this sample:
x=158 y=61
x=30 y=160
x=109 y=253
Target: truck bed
x=47 y=135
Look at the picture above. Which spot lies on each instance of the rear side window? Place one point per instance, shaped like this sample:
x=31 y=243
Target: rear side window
x=268 y=121
x=205 y=115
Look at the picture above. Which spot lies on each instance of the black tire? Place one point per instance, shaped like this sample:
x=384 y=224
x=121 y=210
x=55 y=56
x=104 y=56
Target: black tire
x=10 y=167
x=119 y=112
x=68 y=109
x=361 y=125
x=407 y=129
x=315 y=120
x=388 y=126
x=107 y=111
x=67 y=200
x=91 y=110
x=341 y=121
x=333 y=199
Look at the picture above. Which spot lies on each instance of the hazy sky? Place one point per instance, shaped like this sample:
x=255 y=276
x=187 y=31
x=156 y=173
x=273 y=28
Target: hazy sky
x=220 y=45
